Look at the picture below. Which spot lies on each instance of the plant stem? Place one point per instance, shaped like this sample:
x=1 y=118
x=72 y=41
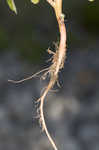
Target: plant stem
x=57 y=62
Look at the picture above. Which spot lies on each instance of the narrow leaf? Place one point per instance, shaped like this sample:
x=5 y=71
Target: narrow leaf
x=35 y=1
x=12 y=5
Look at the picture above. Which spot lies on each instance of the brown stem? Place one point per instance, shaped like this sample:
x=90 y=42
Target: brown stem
x=62 y=46
x=44 y=127
x=58 y=62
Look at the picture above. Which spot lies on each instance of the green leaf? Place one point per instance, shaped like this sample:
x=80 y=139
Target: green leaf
x=12 y=5
x=35 y=1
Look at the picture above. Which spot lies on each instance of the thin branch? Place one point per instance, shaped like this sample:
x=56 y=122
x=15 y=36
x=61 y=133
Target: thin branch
x=28 y=78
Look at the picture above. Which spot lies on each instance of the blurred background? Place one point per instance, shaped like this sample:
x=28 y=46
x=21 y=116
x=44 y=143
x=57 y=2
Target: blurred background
x=72 y=113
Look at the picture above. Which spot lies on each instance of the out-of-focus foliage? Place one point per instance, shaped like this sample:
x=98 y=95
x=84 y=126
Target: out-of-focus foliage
x=3 y=39
x=32 y=31
x=12 y=6
x=35 y=1
x=91 y=17
x=90 y=0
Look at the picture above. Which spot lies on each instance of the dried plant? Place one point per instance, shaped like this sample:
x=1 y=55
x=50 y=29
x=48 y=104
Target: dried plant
x=57 y=61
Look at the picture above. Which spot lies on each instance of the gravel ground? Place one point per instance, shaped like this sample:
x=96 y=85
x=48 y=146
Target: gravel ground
x=72 y=114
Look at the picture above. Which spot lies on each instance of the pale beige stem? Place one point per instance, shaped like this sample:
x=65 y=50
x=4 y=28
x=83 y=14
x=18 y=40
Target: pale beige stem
x=42 y=115
x=57 y=60
x=62 y=46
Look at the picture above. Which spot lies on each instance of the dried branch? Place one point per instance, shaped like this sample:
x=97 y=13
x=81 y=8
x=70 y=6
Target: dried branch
x=58 y=59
